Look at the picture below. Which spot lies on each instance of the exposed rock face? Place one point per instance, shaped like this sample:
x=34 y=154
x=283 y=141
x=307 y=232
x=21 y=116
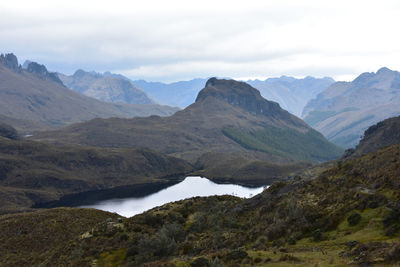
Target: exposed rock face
x=10 y=61
x=41 y=72
x=243 y=95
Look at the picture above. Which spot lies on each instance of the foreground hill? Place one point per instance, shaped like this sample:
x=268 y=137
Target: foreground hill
x=345 y=110
x=33 y=173
x=36 y=95
x=346 y=213
x=106 y=88
x=227 y=117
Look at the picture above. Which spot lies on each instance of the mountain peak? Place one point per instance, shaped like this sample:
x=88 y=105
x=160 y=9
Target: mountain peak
x=79 y=73
x=41 y=72
x=384 y=70
x=10 y=61
x=240 y=94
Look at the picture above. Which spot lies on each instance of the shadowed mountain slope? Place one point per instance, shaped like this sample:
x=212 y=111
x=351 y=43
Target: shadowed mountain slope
x=384 y=133
x=227 y=117
x=32 y=173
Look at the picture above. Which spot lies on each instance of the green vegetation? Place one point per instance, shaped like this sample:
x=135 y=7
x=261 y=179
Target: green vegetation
x=315 y=116
x=308 y=146
x=32 y=172
x=344 y=213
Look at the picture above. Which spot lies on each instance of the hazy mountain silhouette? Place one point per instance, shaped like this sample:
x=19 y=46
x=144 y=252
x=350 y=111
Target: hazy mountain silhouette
x=344 y=110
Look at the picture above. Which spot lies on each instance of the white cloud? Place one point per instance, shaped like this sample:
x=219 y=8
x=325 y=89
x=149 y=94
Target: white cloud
x=172 y=40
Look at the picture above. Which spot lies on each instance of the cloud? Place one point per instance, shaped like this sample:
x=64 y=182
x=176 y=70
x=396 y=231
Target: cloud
x=173 y=40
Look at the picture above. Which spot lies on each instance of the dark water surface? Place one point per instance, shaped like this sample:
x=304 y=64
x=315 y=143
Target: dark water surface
x=190 y=187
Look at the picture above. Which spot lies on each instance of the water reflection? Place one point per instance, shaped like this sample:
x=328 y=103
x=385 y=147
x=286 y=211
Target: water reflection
x=190 y=187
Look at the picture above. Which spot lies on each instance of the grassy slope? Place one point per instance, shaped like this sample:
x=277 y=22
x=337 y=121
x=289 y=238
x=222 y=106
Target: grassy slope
x=32 y=172
x=302 y=222
x=309 y=146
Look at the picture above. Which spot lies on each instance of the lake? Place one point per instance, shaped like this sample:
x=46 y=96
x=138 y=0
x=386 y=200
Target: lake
x=190 y=187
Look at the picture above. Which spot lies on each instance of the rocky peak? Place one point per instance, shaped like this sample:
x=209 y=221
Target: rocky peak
x=79 y=74
x=384 y=70
x=239 y=94
x=26 y=64
x=10 y=61
x=41 y=72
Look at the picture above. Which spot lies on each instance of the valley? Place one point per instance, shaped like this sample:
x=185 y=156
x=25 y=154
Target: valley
x=120 y=191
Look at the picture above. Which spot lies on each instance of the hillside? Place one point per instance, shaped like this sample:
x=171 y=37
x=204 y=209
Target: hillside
x=345 y=110
x=32 y=173
x=35 y=95
x=347 y=213
x=105 y=88
x=383 y=134
x=227 y=117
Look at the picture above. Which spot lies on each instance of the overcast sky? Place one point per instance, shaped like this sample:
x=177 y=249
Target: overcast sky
x=178 y=40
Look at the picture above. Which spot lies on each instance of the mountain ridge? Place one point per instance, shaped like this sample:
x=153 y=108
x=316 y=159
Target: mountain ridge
x=343 y=111
x=104 y=87
x=198 y=128
x=38 y=96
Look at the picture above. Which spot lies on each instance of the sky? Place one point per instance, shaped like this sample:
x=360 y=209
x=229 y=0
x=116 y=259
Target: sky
x=179 y=40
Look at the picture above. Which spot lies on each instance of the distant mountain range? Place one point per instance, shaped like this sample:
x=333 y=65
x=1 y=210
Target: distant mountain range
x=33 y=98
x=228 y=118
x=344 y=110
x=107 y=88
x=291 y=93
x=178 y=94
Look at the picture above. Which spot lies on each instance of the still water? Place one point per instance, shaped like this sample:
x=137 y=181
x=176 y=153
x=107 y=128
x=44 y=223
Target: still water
x=190 y=187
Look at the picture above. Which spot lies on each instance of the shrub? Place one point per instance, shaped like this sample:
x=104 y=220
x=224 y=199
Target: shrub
x=162 y=243
x=200 y=262
x=354 y=219
x=317 y=235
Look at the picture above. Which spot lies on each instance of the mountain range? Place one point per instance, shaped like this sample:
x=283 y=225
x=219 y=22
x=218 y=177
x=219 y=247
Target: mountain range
x=106 y=88
x=230 y=134
x=344 y=110
x=228 y=117
x=291 y=93
x=34 y=99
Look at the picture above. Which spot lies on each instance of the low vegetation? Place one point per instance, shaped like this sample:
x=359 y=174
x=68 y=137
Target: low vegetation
x=285 y=142
x=348 y=214
x=33 y=172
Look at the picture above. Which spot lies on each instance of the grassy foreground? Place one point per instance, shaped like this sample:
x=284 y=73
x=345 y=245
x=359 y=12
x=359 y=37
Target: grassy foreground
x=347 y=214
